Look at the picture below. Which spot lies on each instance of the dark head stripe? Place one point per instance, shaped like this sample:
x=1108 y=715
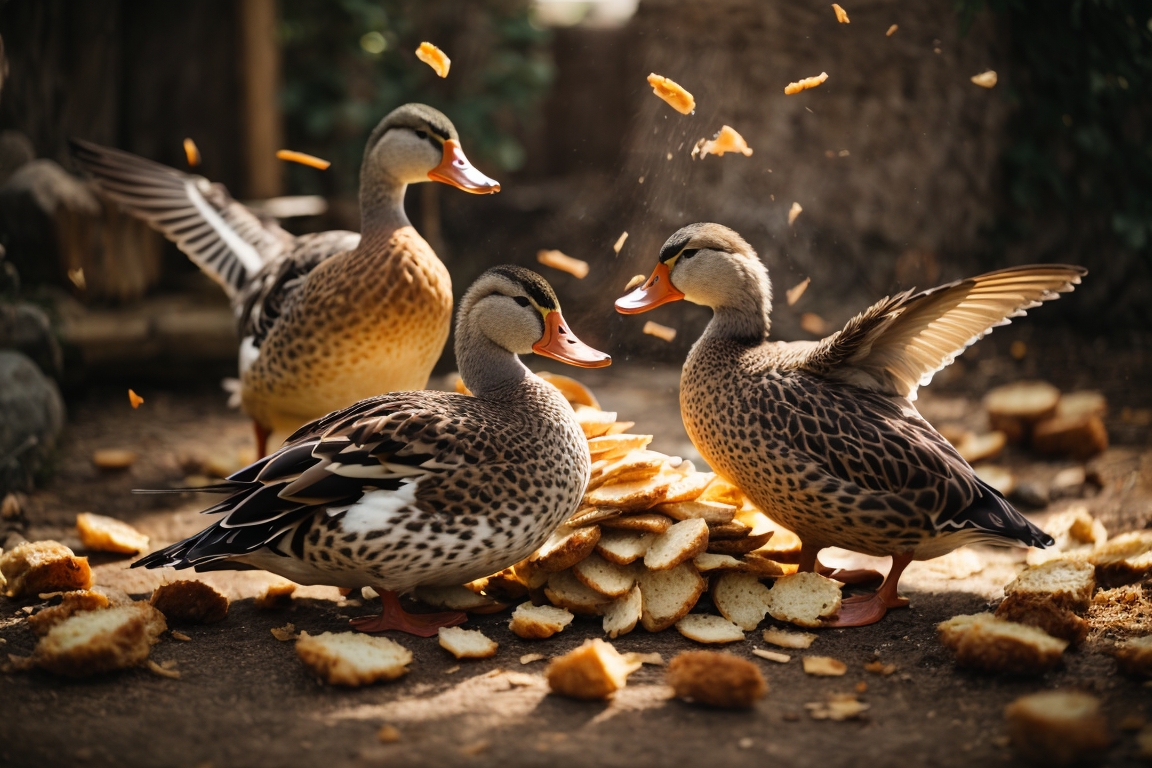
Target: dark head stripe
x=674 y=245
x=535 y=286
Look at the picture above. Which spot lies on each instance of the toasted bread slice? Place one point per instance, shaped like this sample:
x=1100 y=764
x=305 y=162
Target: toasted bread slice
x=565 y=547
x=1080 y=437
x=645 y=522
x=716 y=679
x=1057 y=727
x=804 y=599
x=622 y=615
x=623 y=547
x=107 y=534
x=594 y=422
x=605 y=577
x=733 y=529
x=537 y=622
x=1134 y=656
x=70 y=603
x=740 y=546
x=706 y=628
x=467 y=643
x=43 y=566
x=1037 y=611
x=632 y=496
x=91 y=642
x=612 y=447
x=1067 y=584
x=669 y=595
x=564 y=590
x=711 y=512
x=1014 y=408
x=352 y=658
x=683 y=541
x=593 y=671
x=741 y=598
x=190 y=602
x=982 y=641
x=689 y=487
x=1124 y=559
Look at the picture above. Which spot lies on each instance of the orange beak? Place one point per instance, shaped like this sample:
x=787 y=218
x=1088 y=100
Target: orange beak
x=658 y=290
x=455 y=169
x=559 y=343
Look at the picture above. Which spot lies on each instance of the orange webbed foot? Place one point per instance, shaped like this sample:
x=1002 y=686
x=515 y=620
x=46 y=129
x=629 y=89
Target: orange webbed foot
x=862 y=610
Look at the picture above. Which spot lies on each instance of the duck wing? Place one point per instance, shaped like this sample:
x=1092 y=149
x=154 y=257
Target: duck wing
x=401 y=447
x=898 y=344
x=226 y=239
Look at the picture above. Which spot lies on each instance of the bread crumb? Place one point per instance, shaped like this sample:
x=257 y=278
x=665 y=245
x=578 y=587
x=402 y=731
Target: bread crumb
x=388 y=734
x=672 y=93
x=838 y=706
x=779 y=658
x=134 y=399
x=841 y=14
x=659 y=331
x=892 y=30
x=985 y=79
x=181 y=636
x=620 y=242
x=435 y=58
x=156 y=669
x=528 y=658
x=795 y=292
x=285 y=633
x=824 y=666
x=291 y=156
x=879 y=668
x=794 y=212
x=805 y=84
x=780 y=637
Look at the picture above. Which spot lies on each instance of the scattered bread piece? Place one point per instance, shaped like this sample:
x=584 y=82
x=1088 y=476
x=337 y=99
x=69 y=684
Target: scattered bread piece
x=804 y=599
x=91 y=642
x=1037 y=611
x=70 y=603
x=706 y=628
x=661 y=332
x=285 y=633
x=803 y=85
x=1085 y=402
x=878 y=667
x=683 y=541
x=892 y=30
x=43 y=566
x=192 y=154
x=669 y=595
x=536 y=622
x=1124 y=559
x=985 y=79
x=605 y=577
x=726 y=140
x=467 y=643
x=352 y=658
x=435 y=58
x=741 y=598
x=113 y=458
x=841 y=14
x=1134 y=656
x=779 y=658
x=623 y=547
x=716 y=679
x=974 y=448
x=793 y=214
x=619 y=242
x=302 y=158
x=563 y=262
x=388 y=734
x=190 y=602
x=622 y=615
x=1066 y=583
x=644 y=522
x=794 y=293
x=824 y=666
x=107 y=534
x=672 y=93
x=528 y=658
x=163 y=671
x=277 y=595
x=786 y=639
x=1080 y=437
x=1057 y=727
x=564 y=590
x=134 y=399
x=837 y=706
x=595 y=670
x=984 y=642
x=1000 y=478
x=565 y=548
x=1014 y=408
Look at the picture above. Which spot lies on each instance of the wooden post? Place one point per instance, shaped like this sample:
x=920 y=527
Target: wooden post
x=260 y=84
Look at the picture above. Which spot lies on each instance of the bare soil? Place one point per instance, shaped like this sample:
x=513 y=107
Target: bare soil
x=243 y=699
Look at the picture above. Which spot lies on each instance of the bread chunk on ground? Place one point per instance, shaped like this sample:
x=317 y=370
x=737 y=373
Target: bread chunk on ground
x=93 y=642
x=1056 y=727
x=595 y=670
x=741 y=598
x=107 y=534
x=982 y=641
x=716 y=679
x=1037 y=611
x=352 y=658
x=537 y=622
x=70 y=604
x=1065 y=583
x=190 y=602
x=804 y=599
x=43 y=566
x=1134 y=656
x=706 y=628
x=467 y=643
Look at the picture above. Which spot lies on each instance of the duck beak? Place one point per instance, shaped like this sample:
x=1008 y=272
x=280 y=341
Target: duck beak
x=559 y=343
x=658 y=290
x=455 y=169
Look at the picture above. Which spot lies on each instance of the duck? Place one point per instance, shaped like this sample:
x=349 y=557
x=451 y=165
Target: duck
x=421 y=488
x=824 y=436
x=325 y=319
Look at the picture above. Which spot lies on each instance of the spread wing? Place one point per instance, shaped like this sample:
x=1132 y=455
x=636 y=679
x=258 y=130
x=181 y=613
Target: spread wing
x=224 y=238
x=898 y=344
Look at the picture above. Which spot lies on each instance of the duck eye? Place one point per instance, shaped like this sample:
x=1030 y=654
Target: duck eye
x=521 y=300
x=421 y=134
x=689 y=252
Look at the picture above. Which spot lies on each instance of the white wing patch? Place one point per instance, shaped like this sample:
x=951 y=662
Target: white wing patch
x=376 y=509
x=248 y=353
x=243 y=251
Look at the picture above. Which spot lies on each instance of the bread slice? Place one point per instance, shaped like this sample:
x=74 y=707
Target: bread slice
x=1080 y=437
x=706 y=562
x=593 y=421
x=632 y=496
x=716 y=679
x=706 y=628
x=669 y=595
x=804 y=599
x=741 y=598
x=784 y=545
x=189 y=602
x=456 y=598
x=1014 y=408
x=636 y=465
x=982 y=641
x=837 y=706
x=70 y=603
x=352 y=658
x=1037 y=611
x=1124 y=559
x=1134 y=656
x=605 y=577
x=689 y=487
x=683 y=541
x=722 y=491
x=593 y=671
x=537 y=622
x=648 y=522
x=733 y=529
x=585 y=516
x=1057 y=727
x=1084 y=402
x=711 y=512
x=975 y=448
x=741 y=546
x=574 y=392
x=786 y=639
x=92 y=642
x=612 y=447
x=564 y=590
x=622 y=615
x=467 y=643
x=565 y=547
x=44 y=566
x=107 y=534
x=1066 y=584
x=623 y=547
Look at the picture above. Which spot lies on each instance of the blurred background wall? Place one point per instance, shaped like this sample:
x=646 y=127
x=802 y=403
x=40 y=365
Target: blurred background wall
x=907 y=172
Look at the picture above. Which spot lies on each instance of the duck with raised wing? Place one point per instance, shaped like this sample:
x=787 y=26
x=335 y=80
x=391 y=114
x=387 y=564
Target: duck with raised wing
x=325 y=319
x=419 y=488
x=823 y=436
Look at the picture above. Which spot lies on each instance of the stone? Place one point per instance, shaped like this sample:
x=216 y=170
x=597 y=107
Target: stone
x=31 y=417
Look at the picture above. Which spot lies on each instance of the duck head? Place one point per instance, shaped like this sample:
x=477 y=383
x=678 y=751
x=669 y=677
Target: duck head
x=416 y=143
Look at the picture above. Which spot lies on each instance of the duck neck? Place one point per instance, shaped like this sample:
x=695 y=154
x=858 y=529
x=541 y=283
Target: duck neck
x=745 y=319
x=488 y=370
x=381 y=204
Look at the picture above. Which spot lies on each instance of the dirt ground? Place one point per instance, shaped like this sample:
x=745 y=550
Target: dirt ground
x=243 y=699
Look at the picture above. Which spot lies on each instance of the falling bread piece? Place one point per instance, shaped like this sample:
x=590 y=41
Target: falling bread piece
x=538 y=622
x=352 y=658
x=1057 y=727
x=191 y=153
x=709 y=629
x=563 y=262
x=43 y=566
x=189 y=602
x=467 y=643
x=794 y=212
x=794 y=293
x=672 y=93
x=985 y=79
x=595 y=670
x=107 y=534
x=805 y=84
x=301 y=158
x=726 y=140
x=659 y=331
x=716 y=679
x=982 y=641
x=892 y=30
x=135 y=400
x=435 y=58
x=841 y=14
x=113 y=458
x=619 y=242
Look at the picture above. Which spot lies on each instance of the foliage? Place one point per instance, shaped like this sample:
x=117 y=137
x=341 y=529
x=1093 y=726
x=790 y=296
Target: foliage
x=1081 y=149
x=347 y=63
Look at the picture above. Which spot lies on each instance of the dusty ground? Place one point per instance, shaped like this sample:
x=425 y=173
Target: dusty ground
x=244 y=699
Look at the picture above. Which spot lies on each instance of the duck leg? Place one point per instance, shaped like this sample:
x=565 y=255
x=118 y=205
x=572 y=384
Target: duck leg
x=395 y=617
x=862 y=610
x=809 y=562
x=261 y=439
